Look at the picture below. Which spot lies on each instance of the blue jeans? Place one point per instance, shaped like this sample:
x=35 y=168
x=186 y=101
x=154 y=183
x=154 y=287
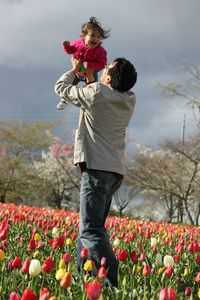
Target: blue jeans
x=97 y=189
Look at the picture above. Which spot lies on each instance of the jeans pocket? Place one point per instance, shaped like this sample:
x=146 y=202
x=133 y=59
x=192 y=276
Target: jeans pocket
x=101 y=180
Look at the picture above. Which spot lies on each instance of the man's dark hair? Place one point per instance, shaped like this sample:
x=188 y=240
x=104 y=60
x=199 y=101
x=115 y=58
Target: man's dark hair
x=123 y=75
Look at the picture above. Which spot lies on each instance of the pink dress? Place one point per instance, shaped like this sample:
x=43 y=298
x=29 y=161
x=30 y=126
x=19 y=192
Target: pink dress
x=94 y=58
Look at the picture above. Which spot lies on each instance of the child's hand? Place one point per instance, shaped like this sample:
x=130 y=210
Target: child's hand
x=65 y=43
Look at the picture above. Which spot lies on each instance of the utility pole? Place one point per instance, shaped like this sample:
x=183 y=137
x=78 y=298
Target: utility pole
x=184 y=125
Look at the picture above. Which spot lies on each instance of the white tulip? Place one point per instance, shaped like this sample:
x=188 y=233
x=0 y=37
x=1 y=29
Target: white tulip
x=116 y=242
x=55 y=232
x=168 y=261
x=158 y=260
x=153 y=242
x=35 y=267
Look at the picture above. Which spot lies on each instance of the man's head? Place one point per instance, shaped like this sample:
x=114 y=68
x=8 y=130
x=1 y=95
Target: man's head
x=120 y=75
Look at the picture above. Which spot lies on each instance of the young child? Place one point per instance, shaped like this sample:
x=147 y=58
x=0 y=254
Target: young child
x=90 y=56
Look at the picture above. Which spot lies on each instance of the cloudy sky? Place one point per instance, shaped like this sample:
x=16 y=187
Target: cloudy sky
x=156 y=35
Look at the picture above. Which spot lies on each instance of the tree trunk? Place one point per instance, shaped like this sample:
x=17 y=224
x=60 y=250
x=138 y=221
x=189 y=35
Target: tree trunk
x=3 y=198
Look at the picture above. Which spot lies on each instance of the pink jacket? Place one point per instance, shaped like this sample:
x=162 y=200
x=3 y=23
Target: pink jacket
x=94 y=58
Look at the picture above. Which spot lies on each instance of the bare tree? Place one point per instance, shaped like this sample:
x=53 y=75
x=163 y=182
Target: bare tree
x=172 y=175
x=124 y=196
x=188 y=92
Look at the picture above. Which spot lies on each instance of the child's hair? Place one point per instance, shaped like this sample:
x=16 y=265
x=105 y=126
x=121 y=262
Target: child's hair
x=93 y=24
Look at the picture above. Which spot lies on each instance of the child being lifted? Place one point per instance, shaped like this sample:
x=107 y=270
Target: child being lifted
x=90 y=56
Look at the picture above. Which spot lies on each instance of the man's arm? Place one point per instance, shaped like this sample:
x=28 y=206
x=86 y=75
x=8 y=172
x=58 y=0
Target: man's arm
x=80 y=96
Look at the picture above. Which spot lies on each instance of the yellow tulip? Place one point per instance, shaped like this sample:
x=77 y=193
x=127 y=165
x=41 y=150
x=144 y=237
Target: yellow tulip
x=88 y=265
x=67 y=219
x=186 y=272
x=129 y=227
x=36 y=253
x=198 y=293
x=36 y=237
x=138 y=269
x=61 y=264
x=2 y=255
x=60 y=273
x=160 y=270
x=69 y=242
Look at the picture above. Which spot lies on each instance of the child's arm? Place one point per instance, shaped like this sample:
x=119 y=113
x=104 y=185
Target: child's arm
x=68 y=47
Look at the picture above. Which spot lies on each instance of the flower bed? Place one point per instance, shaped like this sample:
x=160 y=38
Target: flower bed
x=38 y=258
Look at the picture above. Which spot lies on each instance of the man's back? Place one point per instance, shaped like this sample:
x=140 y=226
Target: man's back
x=100 y=138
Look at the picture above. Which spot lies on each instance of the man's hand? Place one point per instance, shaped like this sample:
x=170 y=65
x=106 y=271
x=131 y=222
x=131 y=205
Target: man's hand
x=76 y=64
x=65 y=43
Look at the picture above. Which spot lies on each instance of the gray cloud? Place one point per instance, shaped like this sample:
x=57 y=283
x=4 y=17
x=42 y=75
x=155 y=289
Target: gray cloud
x=156 y=35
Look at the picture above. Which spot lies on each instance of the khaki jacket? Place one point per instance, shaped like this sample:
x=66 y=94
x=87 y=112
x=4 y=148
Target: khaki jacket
x=104 y=117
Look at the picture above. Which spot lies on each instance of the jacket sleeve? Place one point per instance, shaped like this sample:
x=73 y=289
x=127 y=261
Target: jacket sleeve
x=82 y=97
x=100 y=62
x=71 y=48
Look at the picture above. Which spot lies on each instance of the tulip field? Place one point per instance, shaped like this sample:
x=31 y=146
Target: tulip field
x=157 y=261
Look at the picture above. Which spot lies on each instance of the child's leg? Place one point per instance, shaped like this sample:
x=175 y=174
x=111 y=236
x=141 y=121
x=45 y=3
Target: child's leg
x=62 y=103
x=89 y=75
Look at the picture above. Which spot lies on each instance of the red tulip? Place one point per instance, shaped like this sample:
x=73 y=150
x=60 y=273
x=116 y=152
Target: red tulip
x=93 y=290
x=197 y=279
x=3 y=233
x=167 y=294
x=146 y=270
x=48 y=265
x=17 y=262
x=29 y=294
x=197 y=259
x=196 y=246
x=134 y=257
x=74 y=236
x=191 y=248
x=31 y=245
x=168 y=272
x=4 y=244
x=66 y=280
x=14 y=296
x=123 y=254
x=58 y=242
x=67 y=258
x=25 y=266
x=102 y=273
x=84 y=253
x=177 y=258
x=45 y=294
x=143 y=256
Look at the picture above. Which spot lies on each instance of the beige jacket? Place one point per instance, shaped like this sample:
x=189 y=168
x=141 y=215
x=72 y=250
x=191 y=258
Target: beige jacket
x=104 y=117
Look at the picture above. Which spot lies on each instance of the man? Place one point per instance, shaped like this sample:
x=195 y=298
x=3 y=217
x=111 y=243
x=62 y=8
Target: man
x=105 y=112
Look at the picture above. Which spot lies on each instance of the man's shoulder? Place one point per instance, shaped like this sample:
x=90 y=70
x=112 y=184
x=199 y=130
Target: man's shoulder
x=99 y=87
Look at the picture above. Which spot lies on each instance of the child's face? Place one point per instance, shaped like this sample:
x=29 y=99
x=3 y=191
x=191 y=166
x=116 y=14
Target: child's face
x=92 y=38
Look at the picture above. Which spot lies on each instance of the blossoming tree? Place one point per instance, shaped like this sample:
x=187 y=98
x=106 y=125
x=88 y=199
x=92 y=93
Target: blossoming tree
x=56 y=168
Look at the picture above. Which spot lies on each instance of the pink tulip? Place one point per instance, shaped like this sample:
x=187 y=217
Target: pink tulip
x=14 y=296
x=102 y=273
x=168 y=272
x=187 y=291
x=167 y=294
